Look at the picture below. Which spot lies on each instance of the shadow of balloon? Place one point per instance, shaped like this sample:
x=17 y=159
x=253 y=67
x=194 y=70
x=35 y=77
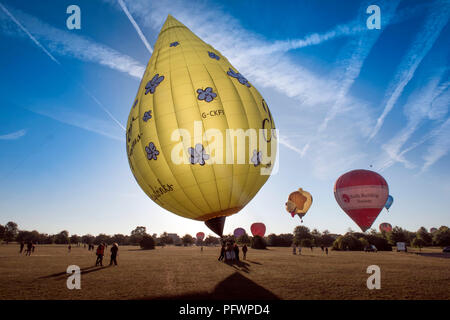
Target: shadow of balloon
x=234 y=287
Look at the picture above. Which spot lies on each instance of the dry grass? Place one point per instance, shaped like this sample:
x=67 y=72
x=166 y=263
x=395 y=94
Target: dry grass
x=187 y=273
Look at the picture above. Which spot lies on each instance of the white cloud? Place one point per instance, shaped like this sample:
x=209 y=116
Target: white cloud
x=439 y=147
x=422 y=105
x=423 y=43
x=65 y=43
x=136 y=26
x=14 y=135
x=81 y=121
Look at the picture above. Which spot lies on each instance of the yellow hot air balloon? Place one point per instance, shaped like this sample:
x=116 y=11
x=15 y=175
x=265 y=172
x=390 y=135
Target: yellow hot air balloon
x=184 y=132
x=299 y=203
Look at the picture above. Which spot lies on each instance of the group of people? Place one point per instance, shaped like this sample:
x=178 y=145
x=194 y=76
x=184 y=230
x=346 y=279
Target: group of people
x=229 y=252
x=101 y=252
x=30 y=247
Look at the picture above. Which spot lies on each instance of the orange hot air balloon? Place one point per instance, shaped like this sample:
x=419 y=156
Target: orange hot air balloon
x=258 y=229
x=386 y=227
x=299 y=203
x=362 y=194
x=200 y=236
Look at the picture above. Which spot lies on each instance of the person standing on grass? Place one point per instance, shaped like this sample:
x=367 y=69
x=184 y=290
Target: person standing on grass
x=114 y=251
x=222 y=253
x=69 y=248
x=299 y=250
x=100 y=252
x=294 y=249
x=326 y=250
x=244 y=251
x=236 y=251
x=29 y=248
x=22 y=244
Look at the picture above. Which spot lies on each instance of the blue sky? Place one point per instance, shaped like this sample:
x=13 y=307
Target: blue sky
x=343 y=97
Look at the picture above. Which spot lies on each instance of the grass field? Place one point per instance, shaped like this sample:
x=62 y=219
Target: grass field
x=188 y=273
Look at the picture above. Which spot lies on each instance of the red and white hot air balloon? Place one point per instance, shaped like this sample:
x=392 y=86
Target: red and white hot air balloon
x=258 y=229
x=386 y=227
x=362 y=194
x=200 y=236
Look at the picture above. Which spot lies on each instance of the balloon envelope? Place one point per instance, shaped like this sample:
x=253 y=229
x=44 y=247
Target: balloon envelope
x=188 y=86
x=389 y=202
x=238 y=232
x=258 y=229
x=362 y=194
x=200 y=236
x=386 y=227
x=299 y=203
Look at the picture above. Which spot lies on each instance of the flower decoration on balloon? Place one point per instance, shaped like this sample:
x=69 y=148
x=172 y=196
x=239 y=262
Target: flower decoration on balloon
x=257 y=158
x=240 y=77
x=147 y=116
x=212 y=55
x=208 y=95
x=152 y=84
x=198 y=155
x=152 y=152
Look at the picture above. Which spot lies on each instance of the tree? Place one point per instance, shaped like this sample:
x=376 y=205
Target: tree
x=120 y=239
x=398 y=235
x=244 y=239
x=326 y=239
x=425 y=236
x=75 y=239
x=62 y=237
x=364 y=242
x=102 y=238
x=442 y=237
x=2 y=232
x=165 y=239
x=258 y=242
x=306 y=243
x=300 y=233
x=381 y=243
x=147 y=242
x=282 y=240
x=11 y=231
x=210 y=240
x=317 y=237
x=187 y=240
x=347 y=242
x=88 y=239
x=137 y=234
x=418 y=243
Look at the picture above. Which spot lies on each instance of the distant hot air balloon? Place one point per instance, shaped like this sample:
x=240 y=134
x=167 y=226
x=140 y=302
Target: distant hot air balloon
x=189 y=96
x=389 y=202
x=238 y=232
x=433 y=230
x=298 y=203
x=362 y=194
x=200 y=236
x=386 y=227
x=258 y=229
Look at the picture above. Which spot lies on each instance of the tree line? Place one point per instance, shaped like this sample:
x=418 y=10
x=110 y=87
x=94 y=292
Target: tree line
x=301 y=236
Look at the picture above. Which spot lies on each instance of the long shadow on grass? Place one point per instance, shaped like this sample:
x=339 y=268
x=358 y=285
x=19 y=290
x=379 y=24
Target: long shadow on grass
x=239 y=265
x=82 y=271
x=235 y=287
